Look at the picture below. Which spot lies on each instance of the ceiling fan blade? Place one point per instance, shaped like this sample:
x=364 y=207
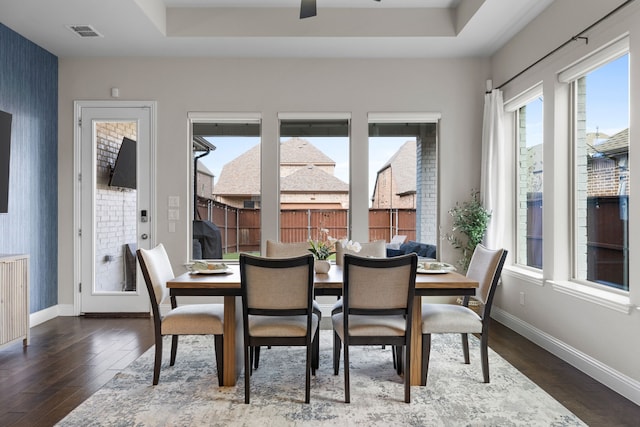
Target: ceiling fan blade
x=307 y=8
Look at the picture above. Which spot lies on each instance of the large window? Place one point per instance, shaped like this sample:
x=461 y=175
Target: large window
x=403 y=177
x=314 y=176
x=226 y=186
x=601 y=167
x=529 y=139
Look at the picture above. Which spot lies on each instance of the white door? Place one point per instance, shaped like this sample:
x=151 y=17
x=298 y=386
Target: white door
x=114 y=197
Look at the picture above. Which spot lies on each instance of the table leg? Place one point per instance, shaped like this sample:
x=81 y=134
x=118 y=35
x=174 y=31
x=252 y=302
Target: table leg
x=233 y=339
x=416 y=341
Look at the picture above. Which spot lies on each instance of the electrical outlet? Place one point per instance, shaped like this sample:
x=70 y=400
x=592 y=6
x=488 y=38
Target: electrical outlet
x=521 y=298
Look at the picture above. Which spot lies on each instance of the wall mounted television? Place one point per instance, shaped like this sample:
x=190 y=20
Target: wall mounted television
x=5 y=154
x=123 y=173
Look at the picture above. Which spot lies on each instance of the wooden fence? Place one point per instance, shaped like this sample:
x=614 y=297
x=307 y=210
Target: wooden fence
x=240 y=228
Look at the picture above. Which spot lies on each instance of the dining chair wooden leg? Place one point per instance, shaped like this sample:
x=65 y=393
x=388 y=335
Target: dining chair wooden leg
x=307 y=386
x=337 y=344
x=426 y=350
x=256 y=361
x=484 y=354
x=407 y=374
x=347 y=394
x=398 y=349
x=465 y=347
x=315 y=352
x=157 y=362
x=174 y=349
x=393 y=356
x=247 y=373
x=219 y=349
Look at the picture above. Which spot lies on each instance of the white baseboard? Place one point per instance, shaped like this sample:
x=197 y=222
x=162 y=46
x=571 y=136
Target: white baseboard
x=618 y=382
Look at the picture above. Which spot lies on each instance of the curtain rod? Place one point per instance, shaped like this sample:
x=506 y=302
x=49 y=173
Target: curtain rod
x=579 y=36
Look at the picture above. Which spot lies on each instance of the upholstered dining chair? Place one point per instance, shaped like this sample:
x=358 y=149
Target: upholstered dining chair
x=378 y=300
x=288 y=250
x=192 y=319
x=277 y=308
x=485 y=267
x=375 y=249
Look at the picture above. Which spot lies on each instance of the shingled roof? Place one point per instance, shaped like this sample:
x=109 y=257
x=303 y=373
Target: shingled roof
x=617 y=144
x=241 y=176
x=403 y=168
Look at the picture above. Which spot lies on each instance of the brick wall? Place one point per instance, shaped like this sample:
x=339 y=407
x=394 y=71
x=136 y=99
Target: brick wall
x=115 y=208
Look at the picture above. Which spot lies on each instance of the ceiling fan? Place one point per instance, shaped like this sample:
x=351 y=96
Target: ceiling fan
x=308 y=8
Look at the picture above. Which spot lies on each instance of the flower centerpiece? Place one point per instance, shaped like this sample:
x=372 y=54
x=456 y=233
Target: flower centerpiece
x=322 y=249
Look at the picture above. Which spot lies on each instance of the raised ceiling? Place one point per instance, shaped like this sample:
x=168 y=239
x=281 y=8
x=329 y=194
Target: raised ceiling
x=272 y=28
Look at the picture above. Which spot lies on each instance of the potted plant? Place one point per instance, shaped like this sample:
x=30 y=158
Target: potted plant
x=470 y=221
x=322 y=250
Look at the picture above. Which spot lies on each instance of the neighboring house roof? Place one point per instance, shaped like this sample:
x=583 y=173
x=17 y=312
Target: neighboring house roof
x=241 y=176
x=617 y=144
x=310 y=179
x=300 y=151
x=203 y=169
x=403 y=168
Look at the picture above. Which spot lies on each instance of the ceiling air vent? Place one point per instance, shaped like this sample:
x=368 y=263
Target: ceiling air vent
x=84 y=31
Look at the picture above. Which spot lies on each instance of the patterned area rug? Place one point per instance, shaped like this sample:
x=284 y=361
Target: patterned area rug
x=188 y=394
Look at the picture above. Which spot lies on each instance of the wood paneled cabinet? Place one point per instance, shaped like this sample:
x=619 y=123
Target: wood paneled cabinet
x=14 y=299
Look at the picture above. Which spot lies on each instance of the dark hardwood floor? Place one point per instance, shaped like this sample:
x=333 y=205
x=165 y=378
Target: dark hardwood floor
x=70 y=358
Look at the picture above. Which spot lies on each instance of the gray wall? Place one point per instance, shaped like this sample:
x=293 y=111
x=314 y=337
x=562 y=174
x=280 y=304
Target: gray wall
x=594 y=330
x=29 y=91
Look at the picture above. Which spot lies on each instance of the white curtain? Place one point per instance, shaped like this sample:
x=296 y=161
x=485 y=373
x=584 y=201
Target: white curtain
x=493 y=179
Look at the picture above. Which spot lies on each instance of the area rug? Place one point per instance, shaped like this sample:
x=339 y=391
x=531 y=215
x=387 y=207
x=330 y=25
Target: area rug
x=188 y=393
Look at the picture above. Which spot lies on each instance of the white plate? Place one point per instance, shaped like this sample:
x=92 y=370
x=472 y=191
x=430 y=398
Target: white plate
x=218 y=271
x=423 y=271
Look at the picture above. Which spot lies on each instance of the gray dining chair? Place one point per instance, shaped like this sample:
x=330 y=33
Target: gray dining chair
x=485 y=267
x=192 y=319
x=277 y=308
x=378 y=303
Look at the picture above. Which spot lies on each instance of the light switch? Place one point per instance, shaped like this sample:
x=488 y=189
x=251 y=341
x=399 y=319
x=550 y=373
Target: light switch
x=173 y=215
x=174 y=201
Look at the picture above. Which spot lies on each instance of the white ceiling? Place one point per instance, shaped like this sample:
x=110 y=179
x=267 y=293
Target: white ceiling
x=272 y=28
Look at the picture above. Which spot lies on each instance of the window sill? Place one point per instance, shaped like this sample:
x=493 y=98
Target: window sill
x=620 y=303
x=524 y=275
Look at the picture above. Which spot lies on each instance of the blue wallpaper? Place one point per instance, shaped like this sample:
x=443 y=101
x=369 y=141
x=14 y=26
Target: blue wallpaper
x=29 y=91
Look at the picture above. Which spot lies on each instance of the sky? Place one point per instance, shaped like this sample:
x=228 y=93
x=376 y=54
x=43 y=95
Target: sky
x=607 y=102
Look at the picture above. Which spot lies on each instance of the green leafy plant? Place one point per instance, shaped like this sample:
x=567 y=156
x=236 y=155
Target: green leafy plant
x=470 y=222
x=323 y=249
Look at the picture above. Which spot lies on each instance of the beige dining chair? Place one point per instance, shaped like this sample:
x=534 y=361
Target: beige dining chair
x=375 y=249
x=287 y=250
x=277 y=308
x=378 y=301
x=192 y=319
x=485 y=267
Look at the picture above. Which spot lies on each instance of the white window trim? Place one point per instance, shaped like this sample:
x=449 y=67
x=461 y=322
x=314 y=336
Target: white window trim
x=602 y=297
x=415 y=117
x=607 y=54
x=523 y=98
x=314 y=116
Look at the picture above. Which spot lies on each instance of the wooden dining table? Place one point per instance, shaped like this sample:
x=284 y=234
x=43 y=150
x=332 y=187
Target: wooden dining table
x=227 y=285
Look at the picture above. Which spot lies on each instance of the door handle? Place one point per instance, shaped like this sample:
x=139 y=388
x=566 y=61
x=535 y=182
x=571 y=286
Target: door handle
x=144 y=236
